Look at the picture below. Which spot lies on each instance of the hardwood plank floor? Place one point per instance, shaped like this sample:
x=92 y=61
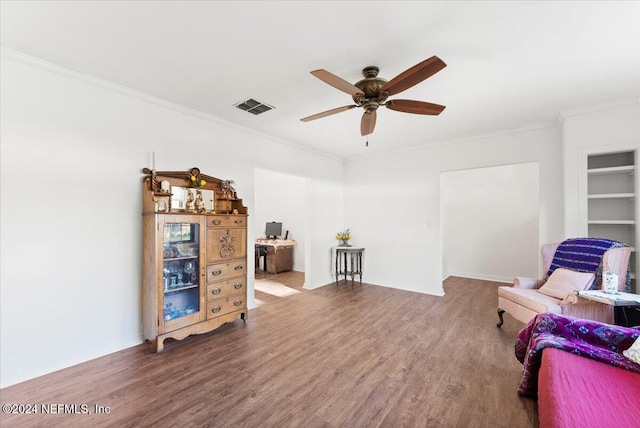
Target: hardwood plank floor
x=337 y=356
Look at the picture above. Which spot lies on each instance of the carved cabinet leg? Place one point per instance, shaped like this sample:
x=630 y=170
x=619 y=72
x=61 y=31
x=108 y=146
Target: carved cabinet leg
x=159 y=344
x=500 y=312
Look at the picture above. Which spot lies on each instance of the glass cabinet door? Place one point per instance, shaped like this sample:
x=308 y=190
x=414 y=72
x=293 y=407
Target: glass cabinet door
x=181 y=269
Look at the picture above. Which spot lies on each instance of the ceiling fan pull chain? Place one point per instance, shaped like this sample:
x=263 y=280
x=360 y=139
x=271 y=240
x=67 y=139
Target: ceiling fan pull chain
x=367 y=141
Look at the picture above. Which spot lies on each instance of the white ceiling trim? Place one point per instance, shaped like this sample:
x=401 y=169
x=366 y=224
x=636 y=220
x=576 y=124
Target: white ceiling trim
x=497 y=134
x=598 y=108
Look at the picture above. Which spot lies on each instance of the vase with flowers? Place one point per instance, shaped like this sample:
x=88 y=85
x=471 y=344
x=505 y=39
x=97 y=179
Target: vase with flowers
x=344 y=237
x=197 y=182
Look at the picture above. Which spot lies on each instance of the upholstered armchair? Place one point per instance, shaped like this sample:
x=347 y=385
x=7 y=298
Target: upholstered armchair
x=524 y=299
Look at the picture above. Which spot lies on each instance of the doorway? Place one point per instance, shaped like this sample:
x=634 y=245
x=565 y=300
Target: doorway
x=490 y=222
x=282 y=198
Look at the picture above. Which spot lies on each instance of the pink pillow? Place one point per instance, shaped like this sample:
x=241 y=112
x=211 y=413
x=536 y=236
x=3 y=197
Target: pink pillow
x=564 y=281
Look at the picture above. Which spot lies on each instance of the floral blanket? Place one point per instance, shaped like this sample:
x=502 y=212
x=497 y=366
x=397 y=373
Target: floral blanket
x=590 y=339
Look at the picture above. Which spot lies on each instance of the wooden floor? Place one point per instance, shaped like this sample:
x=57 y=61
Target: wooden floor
x=337 y=356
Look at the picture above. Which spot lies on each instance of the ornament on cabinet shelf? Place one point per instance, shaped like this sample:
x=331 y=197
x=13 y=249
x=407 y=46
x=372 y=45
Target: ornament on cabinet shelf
x=165 y=186
x=190 y=205
x=162 y=206
x=228 y=189
x=199 y=203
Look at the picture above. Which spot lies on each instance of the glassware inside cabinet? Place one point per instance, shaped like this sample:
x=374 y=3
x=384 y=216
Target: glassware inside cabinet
x=180 y=270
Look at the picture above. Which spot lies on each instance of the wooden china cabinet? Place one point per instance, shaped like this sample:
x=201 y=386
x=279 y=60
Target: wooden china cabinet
x=194 y=255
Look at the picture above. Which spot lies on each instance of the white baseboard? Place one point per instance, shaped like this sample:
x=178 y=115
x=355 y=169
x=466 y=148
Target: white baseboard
x=32 y=371
x=472 y=275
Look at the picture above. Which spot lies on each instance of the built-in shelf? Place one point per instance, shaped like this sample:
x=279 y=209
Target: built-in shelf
x=612 y=196
x=626 y=169
x=611 y=202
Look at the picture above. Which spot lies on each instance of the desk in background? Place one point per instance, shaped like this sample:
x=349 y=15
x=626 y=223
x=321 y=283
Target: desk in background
x=277 y=253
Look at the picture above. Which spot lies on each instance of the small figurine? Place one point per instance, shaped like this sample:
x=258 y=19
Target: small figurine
x=199 y=203
x=228 y=191
x=190 y=204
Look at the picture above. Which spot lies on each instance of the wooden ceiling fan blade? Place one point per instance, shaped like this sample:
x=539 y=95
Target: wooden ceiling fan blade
x=368 y=123
x=414 y=75
x=415 y=107
x=327 y=113
x=336 y=82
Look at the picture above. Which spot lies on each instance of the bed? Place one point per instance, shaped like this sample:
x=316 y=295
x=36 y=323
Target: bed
x=575 y=391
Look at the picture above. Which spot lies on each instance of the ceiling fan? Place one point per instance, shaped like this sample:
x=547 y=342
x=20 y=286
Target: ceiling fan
x=373 y=91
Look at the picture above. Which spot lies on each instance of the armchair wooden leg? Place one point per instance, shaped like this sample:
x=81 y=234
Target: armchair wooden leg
x=500 y=312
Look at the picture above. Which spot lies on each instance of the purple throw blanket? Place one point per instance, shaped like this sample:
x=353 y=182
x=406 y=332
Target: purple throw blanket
x=590 y=339
x=585 y=255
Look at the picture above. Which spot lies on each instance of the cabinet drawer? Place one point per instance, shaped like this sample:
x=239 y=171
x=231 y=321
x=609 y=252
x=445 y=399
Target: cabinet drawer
x=226 y=221
x=220 y=271
x=226 y=243
x=220 y=289
x=223 y=306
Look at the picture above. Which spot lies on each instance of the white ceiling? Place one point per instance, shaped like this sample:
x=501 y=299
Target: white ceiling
x=509 y=64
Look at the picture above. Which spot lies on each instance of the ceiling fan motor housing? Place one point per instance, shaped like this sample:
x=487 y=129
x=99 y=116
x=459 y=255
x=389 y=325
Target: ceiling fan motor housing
x=370 y=85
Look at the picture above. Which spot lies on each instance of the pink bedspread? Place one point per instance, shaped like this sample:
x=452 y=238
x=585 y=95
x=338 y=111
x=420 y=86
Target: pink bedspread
x=590 y=339
x=575 y=391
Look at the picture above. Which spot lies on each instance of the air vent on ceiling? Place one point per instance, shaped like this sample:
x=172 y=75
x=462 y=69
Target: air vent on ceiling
x=253 y=106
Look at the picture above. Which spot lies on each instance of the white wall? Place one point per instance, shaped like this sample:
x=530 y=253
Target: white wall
x=282 y=198
x=490 y=222
x=393 y=201
x=72 y=150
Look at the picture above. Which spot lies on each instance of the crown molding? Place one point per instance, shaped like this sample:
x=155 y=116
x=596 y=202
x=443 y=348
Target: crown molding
x=463 y=140
x=552 y=124
x=597 y=108
x=142 y=96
